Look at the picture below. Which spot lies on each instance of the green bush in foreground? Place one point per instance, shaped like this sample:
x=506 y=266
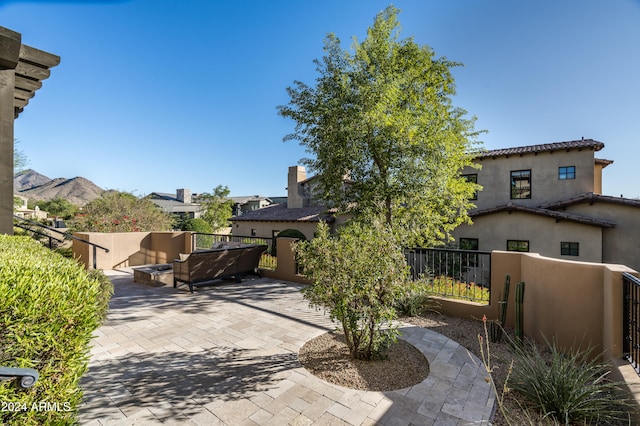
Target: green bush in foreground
x=569 y=387
x=49 y=308
x=357 y=277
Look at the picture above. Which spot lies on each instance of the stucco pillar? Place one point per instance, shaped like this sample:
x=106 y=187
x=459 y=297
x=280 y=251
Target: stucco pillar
x=9 y=54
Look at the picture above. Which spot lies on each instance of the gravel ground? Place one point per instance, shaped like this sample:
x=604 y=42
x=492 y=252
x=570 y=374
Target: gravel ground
x=327 y=357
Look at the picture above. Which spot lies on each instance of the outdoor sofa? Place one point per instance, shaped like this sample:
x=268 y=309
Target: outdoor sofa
x=203 y=266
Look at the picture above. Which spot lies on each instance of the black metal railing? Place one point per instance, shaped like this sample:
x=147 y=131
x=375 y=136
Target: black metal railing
x=631 y=326
x=44 y=231
x=202 y=241
x=460 y=274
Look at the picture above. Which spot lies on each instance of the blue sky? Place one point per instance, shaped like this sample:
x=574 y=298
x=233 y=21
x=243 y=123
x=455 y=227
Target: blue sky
x=158 y=95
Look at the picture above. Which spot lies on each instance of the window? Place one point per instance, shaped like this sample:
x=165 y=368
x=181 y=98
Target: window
x=568 y=172
x=468 y=244
x=569 y=249
x=472 y=178
x=517 y=245
x=521 y=184
x=253 y=233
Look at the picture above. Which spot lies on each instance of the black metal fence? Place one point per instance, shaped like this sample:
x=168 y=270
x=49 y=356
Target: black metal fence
x=631 y=312
x=460 y=274
x=201 y=241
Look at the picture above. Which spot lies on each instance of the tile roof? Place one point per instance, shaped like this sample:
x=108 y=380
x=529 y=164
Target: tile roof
x=558 y=216
x=280 y=213
x=592 y=198
x=547 y=147
x=604 y=163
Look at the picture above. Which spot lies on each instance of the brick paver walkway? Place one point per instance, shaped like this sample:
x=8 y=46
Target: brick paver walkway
x=227 y=355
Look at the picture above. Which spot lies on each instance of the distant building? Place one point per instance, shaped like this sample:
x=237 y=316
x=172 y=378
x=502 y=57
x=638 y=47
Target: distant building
x=21 y=210
x=242 y=205
x=300 y=211
x=179 y=203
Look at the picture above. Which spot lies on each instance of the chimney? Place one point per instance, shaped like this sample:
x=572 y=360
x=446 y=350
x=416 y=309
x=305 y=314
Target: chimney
x=184 y=195
x=295 y=197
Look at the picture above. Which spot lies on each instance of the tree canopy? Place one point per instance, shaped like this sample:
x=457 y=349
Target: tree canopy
x=121 y=212
x=59 y=207
x=218 y=209
x=386 y=140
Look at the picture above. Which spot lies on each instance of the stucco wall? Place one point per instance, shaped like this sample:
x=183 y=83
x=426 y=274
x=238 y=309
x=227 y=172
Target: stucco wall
x=131 y=248
x=576 y=303
x=543 y=233
x=620 y=244
x=495 y=177
x=265 y=229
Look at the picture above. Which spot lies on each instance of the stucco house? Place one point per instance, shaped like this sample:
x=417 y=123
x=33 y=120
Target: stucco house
x=548 y=199
x=300 y=211
x=242 y=205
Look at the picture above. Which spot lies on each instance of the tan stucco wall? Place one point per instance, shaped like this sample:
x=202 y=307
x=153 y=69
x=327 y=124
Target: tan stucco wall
x=131 y=248
x=576 y=303
x=543 y=233
x=622 y=243
x=495 y=177
x=287 y=268
x=265 y=229
x=597 y=179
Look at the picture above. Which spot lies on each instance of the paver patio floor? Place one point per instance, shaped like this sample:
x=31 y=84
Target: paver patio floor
x=227 y=355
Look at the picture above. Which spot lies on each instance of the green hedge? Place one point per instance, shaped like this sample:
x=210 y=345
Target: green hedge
x=49 y=307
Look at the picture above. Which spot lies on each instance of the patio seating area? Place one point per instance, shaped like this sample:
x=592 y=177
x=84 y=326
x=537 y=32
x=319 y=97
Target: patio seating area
x=229 y=356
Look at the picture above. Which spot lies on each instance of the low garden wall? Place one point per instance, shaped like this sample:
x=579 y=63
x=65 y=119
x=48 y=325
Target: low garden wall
x=131 y=248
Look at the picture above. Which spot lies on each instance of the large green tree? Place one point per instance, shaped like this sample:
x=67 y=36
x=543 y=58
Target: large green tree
x=218 y=208
x=121 y=212
x=59 y=207
x=386 y=140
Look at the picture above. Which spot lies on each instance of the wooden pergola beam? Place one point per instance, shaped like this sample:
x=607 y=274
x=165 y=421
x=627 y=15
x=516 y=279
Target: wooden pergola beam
x=22 y=69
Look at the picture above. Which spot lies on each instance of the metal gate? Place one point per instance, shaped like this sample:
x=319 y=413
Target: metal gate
x=631 y=321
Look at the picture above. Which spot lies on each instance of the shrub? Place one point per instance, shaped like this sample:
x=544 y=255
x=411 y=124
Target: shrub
x=357 y=277
x=415 y=303
x=49 y=308
x=569 y=386
x=196 y=225
x=121 y=212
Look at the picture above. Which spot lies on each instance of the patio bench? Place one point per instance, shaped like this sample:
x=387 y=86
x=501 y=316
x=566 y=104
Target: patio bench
x=203 y=266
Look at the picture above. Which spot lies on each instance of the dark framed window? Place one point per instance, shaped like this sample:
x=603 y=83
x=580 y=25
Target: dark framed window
x=472 y=178
x=521 y=184
x=517 y=245
x=568 y=172
x=569 y=249
x=468 y=244
x=254 y=233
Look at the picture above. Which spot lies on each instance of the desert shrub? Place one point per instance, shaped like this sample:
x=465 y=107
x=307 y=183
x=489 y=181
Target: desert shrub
x=569 y=386
x=120 y=212
x=415 y=303
x=196 y=225
x=455 y=289
x=357 y=276
x=49 y=308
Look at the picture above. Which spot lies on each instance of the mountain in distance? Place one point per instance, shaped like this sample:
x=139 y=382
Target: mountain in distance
x=28 y=179
x=77 y=190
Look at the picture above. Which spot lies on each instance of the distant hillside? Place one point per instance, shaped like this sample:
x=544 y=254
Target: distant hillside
x=35 y=186
x=28 y=179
